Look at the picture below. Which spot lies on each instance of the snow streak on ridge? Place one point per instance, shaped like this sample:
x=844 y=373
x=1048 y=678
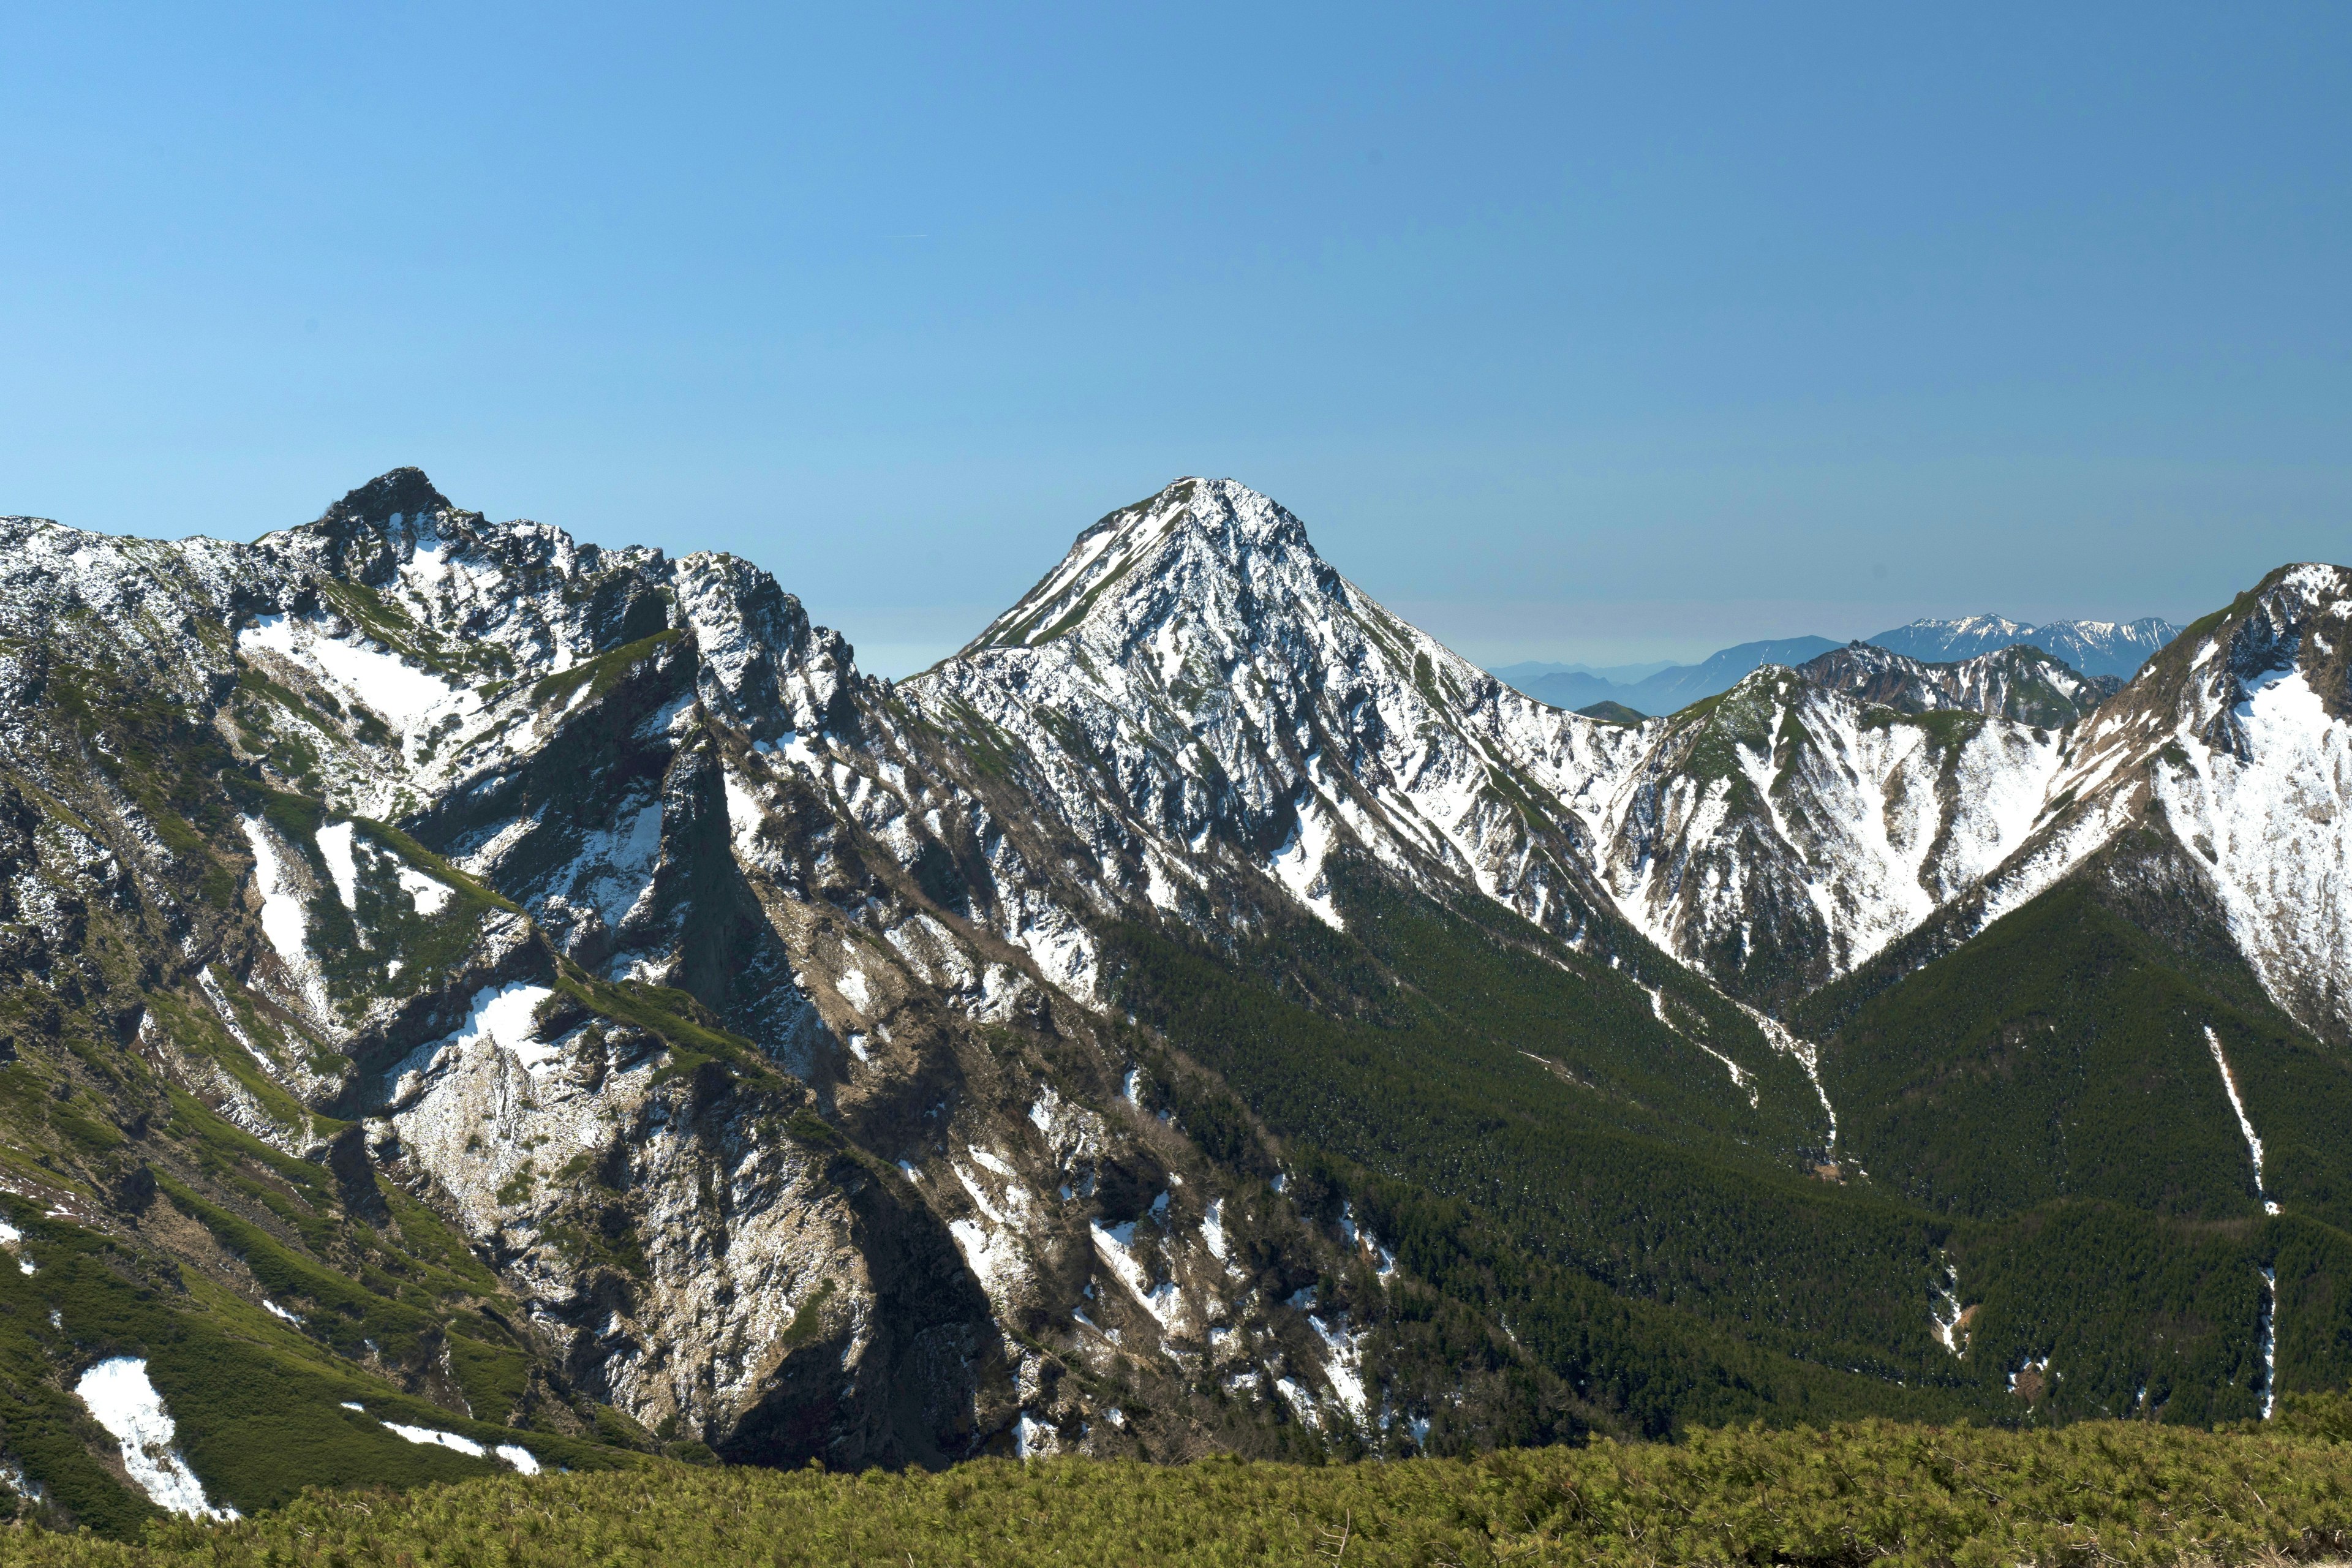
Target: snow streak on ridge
x=2245 y=1122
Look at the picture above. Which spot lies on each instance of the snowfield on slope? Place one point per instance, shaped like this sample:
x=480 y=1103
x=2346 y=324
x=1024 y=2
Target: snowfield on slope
x=121 y=1398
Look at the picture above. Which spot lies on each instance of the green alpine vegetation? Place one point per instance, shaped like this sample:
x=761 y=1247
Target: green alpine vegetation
x=1872 y=1492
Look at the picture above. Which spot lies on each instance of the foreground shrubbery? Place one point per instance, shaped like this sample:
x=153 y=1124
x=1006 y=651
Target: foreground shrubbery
x=2096 y=1492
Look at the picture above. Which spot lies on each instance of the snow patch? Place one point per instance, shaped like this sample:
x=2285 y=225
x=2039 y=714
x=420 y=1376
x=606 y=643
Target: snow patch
x=502 y=1017
x=283 y=921
x=855 y=990
x=429 y=894
x=1033 y=1439
x=1298 y=865
x=992 y=1256
x=375 y=676
x=427 y=1436
x=2245 y=1122
x=121 y=1398
x=1213 y=1228
x=1115 y=1245
x=335 y=841
x=1343 y=1364
x=1944 y=1315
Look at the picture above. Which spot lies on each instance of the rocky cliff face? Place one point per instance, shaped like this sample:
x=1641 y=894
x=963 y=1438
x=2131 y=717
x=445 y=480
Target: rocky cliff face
x=596 y=902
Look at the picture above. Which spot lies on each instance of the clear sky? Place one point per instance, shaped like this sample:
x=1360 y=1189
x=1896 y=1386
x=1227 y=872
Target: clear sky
x=1585 y=333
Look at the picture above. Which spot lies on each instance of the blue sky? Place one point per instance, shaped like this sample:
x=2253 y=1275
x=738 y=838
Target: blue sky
x=1583 y=332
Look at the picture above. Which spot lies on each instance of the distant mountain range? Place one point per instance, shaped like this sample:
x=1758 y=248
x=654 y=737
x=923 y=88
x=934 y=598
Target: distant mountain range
x=2116 y=649
x=1675 y=687
x=2092 y=648
x=1623 y=674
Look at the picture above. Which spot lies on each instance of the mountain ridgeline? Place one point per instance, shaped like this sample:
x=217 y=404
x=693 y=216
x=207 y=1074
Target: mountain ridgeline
x=477 y=1001
x=2109 y=651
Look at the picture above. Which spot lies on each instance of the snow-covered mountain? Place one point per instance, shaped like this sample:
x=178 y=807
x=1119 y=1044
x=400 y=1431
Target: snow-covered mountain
x=2094 y=647
x=727 y=1047
x=2233 y=748
x=676 y=903
x=1201 y=693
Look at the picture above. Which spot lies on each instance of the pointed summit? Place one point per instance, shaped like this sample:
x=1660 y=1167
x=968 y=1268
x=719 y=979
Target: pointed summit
x=1201 y=539
x=1197 y=682
x=402 y=492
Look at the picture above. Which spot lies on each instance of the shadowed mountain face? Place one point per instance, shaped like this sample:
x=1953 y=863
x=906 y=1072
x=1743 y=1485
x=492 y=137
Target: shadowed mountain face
x=459 y=980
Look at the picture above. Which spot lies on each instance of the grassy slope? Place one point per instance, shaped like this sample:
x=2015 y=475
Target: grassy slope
x=2099 y=1492
x=257 y=1403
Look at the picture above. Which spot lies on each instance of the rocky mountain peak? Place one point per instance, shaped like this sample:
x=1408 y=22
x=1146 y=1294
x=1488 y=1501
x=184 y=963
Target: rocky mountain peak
x=401 y=493
x=358 y=536
x=1212 y=546
x=2229 y=743
x=762 y=656
x=1225 y=515
x=2297 y=624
